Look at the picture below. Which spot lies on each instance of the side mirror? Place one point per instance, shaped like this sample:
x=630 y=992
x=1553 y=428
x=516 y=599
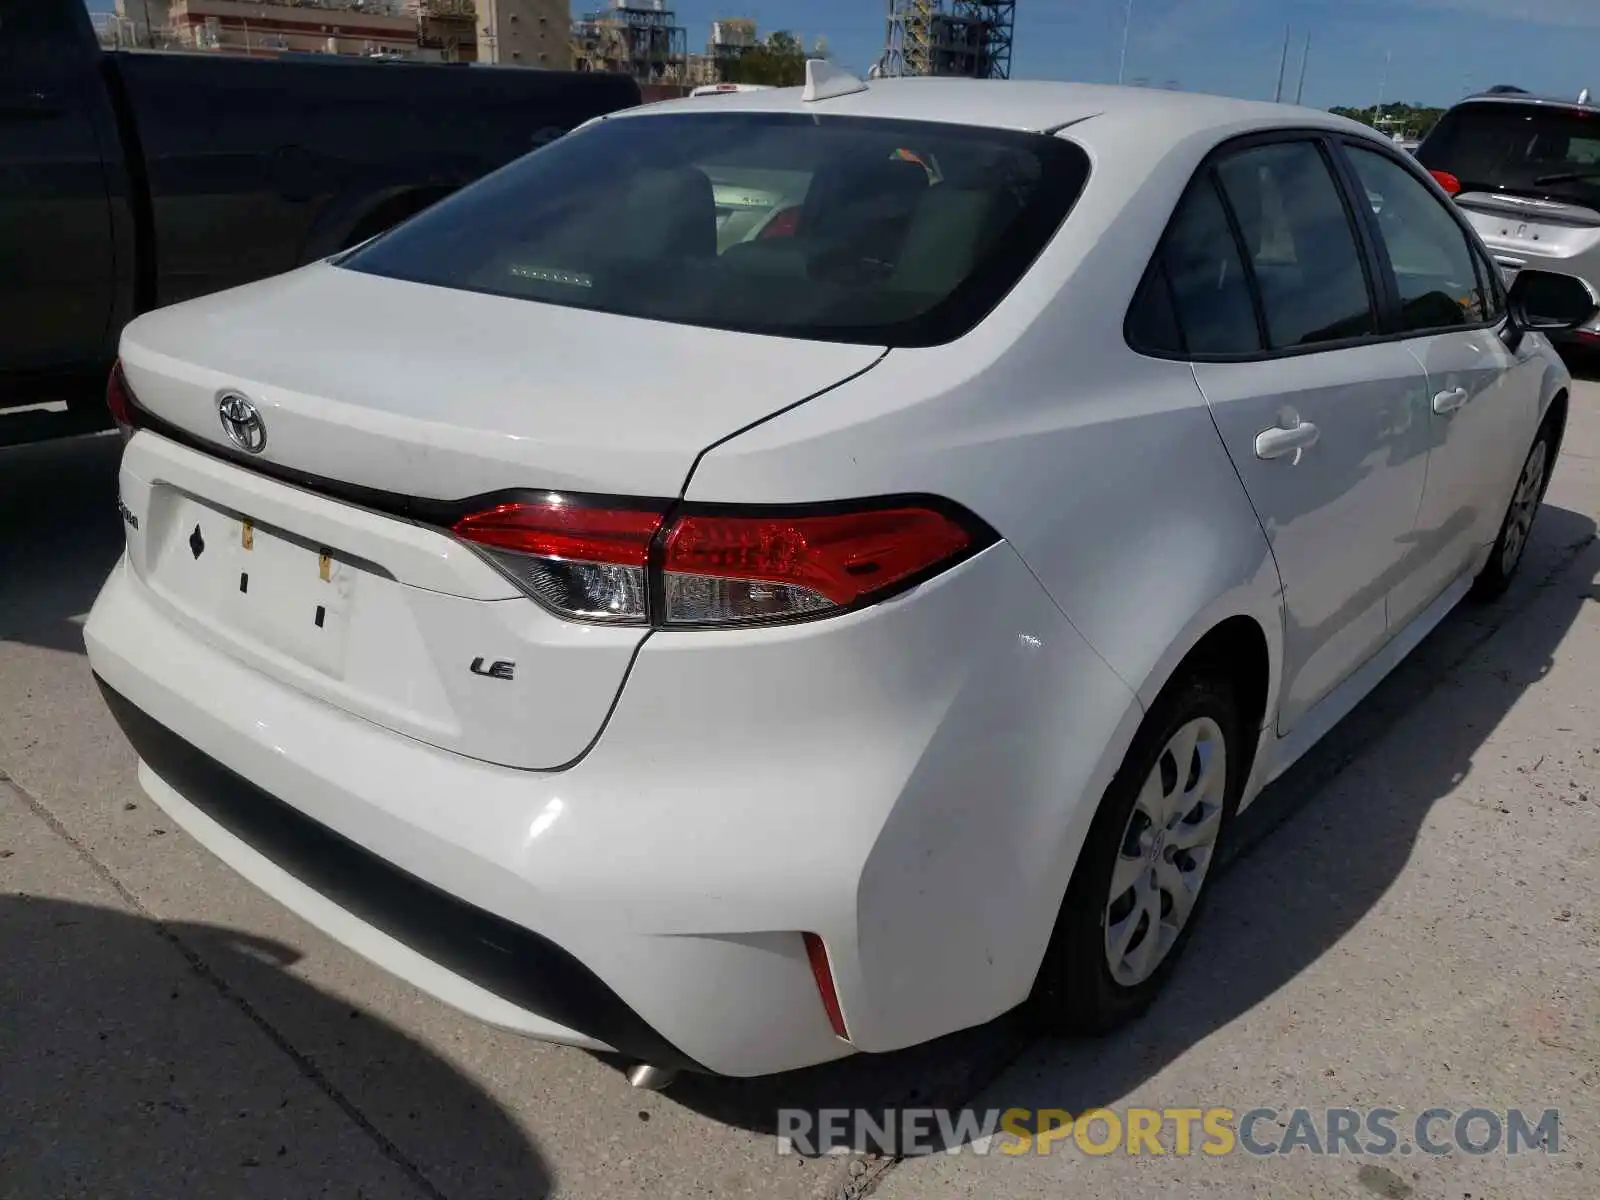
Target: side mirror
x=1544 y=302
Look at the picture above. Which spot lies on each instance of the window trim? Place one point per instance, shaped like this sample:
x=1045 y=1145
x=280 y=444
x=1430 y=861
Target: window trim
x=1476 y=250
x=1157 y=278
x=1382 y=289
x=1240 y=251
x=1497 y=286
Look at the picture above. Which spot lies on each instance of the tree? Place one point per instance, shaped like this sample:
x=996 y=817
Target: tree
x=777 y=61
x=1412 y=120
x=1364 y=115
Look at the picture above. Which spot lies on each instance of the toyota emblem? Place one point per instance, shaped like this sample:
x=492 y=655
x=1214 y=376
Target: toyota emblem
x=241 y=419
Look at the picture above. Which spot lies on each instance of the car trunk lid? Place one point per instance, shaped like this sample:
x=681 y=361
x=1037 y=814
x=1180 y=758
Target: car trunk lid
x=323 y=561
x=421 y=390
x=1530 y=232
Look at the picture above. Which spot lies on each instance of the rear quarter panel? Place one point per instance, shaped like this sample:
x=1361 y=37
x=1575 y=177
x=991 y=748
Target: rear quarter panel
x=1103 y=468
x=1105 y=473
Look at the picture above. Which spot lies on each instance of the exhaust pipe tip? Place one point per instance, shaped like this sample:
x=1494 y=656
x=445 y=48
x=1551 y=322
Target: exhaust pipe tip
x=650 y=1078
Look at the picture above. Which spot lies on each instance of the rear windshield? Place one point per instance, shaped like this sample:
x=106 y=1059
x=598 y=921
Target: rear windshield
x=828 y=228
x=1534 y=150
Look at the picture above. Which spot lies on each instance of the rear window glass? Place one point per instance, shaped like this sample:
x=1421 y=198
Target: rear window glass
x=1526 y=149
x=827 y=228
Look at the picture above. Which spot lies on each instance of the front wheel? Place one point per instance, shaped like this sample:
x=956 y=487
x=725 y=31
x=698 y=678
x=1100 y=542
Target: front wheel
x=1517 y=528
x=1136 y=893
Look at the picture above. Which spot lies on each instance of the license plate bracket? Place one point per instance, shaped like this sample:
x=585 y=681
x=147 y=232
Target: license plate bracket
x=258 y=584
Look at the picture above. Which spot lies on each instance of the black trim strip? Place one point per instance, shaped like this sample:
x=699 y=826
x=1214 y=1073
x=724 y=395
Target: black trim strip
x=1369 y=236
x=1247 y=267
x=1383 y=294
x=514 y=963
x=419 y=509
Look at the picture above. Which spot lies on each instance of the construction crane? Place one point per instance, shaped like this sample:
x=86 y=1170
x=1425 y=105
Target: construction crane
x=969 y=38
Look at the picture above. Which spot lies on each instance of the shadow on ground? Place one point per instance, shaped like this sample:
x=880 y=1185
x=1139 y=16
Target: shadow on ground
x=59 y=536
x=1248 y=949
x=131 y=1070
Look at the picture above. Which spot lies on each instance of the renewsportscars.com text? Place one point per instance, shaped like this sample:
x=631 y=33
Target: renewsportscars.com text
x=1261 y=1131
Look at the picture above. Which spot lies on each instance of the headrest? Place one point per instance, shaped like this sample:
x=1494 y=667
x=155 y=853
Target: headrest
x=952 y=228
x=669 y=210
x=859 y=182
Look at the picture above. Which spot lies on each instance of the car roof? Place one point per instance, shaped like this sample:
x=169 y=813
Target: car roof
x=1034 y=106
x=1529 y=98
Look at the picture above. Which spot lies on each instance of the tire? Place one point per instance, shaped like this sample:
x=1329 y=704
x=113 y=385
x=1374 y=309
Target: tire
x=1078 y=990
x=1516 y=528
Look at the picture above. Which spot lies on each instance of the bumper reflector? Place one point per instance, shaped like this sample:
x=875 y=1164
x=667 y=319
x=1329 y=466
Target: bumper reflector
x=818 y=954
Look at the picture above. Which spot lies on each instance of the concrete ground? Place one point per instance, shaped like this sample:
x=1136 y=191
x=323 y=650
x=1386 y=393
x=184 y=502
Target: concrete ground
x=1412 y=919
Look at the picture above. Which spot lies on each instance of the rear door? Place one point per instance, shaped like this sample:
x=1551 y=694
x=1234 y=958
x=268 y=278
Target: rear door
x=57 y=265
x=1325 y=424
x=1483 y=398
x=1530 y=179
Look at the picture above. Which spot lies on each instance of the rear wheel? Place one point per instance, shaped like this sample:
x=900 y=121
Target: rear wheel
x=1137 y=892
x=1517 y=528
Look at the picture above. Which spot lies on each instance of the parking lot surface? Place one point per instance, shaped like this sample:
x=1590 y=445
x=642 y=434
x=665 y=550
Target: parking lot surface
x=1411 y=919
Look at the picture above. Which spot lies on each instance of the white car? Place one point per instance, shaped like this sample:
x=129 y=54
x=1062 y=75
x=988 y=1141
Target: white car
x=739 y=656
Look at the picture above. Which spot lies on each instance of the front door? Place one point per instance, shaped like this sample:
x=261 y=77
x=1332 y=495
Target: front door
x=1483 y=398
x=1325 y=424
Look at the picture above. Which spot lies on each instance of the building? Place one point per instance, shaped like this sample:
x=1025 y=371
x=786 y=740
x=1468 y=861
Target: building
x=258 y=29
x=447 y=29
x=144 y=23
x=642 y=39
x=531 y=33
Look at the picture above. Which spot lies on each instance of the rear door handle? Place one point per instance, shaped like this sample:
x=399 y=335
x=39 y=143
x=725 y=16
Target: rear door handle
x=1280 y=441
x=1448 y=402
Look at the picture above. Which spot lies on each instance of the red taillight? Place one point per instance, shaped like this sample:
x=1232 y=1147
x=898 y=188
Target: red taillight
x=1448 y=182
x=594 y=563
x=119 y=400
x=583 y=562
x=554 y=528
x=785 y=223
x=817 y=953
x=732 y=568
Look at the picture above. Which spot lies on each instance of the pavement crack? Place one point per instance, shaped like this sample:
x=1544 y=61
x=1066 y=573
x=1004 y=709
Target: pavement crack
x=307 y=1068
x=866 y=1183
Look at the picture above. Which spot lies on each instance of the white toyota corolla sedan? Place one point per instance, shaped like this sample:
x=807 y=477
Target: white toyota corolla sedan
x=740 y=651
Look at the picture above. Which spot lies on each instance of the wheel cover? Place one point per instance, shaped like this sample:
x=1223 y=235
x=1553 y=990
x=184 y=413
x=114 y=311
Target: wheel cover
x=1524 y=507
x=1166 y=851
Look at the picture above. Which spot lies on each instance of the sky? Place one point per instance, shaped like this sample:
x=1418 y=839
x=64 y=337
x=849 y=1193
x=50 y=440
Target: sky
x=1440 y=49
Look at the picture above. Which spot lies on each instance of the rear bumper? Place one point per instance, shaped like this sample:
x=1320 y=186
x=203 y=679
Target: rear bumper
x=911 y=783
x=326 y=876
